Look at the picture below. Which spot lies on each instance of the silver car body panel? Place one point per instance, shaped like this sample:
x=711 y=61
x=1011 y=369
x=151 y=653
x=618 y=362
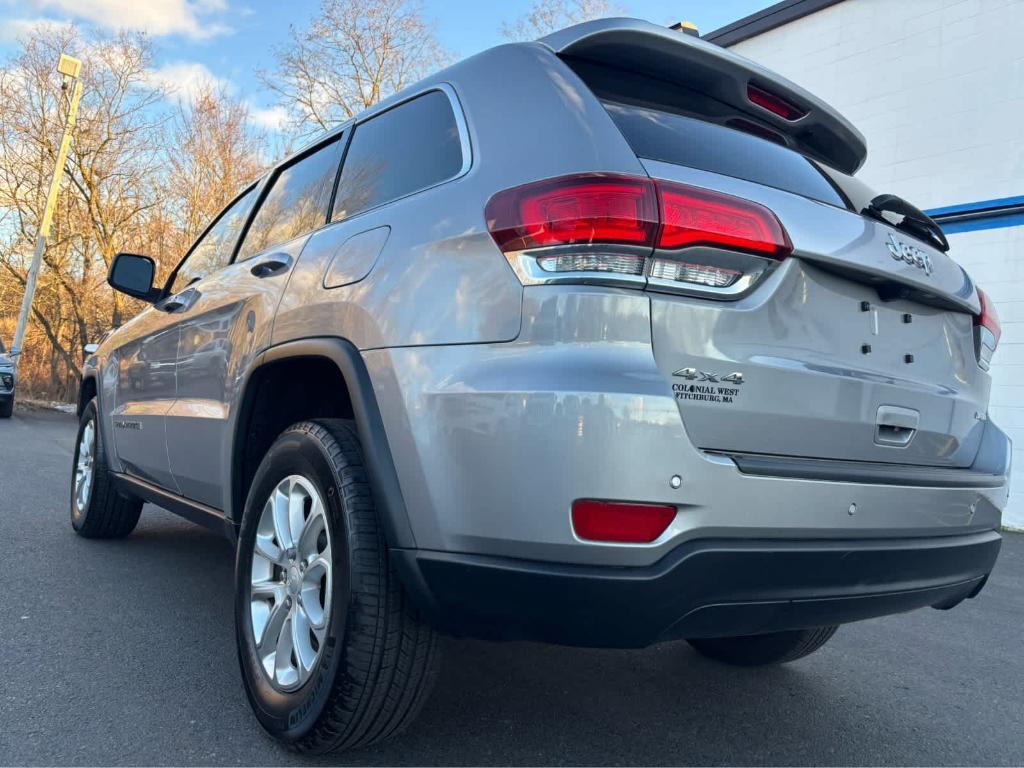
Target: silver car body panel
x=222 y=332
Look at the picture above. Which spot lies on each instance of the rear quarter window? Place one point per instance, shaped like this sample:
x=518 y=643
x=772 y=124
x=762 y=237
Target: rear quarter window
x=296 y=202
x=403 y=150
x=658 y=135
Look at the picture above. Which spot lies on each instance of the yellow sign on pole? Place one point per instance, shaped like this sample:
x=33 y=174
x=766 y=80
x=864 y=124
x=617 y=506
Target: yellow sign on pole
x=70 y=68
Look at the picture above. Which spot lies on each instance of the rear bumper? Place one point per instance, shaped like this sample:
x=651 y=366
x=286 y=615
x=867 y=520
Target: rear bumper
x=703 y=588
x=493 y=443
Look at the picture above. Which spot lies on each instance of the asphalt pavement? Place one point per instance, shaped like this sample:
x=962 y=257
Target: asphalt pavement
x=123 y=653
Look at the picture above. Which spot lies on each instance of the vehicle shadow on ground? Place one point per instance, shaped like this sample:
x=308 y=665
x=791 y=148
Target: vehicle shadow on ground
x=517 y=703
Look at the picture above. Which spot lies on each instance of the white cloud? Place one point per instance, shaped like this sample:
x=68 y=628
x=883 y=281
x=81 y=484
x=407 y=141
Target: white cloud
x=183 y=80
x=13 y=29
x=270 y=118
x=191 y=18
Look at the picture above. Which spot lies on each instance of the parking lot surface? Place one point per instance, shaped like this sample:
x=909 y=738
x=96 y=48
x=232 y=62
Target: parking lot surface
x=123 y=653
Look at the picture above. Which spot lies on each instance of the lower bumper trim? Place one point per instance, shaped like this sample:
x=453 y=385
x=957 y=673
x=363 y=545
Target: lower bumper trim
x=837 y=471
x=708 y=588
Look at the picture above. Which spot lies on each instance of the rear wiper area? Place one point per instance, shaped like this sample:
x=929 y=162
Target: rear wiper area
x=908 y=218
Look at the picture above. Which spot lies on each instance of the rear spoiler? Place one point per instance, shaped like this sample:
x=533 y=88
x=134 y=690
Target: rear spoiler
x=645 y=48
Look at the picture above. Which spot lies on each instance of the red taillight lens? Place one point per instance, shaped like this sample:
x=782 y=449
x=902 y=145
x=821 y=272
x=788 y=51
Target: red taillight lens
x=775 y=104
x=692 y=216
x=986 y=330
x=988 y=318
x=590 y=208
x=622 y=522
x=593 y=209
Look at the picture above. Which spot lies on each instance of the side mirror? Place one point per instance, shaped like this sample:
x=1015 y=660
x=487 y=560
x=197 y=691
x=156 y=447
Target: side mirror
x=133 y=275
x=90 y=349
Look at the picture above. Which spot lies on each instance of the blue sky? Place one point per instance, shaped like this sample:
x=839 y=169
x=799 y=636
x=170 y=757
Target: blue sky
x=229 y=39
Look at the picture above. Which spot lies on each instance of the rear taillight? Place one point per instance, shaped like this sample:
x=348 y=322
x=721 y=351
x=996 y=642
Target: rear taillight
x=692 y=216
x=774 y=104
x=636 y=228
x=622 y=522
x=986 y=330
x=570 y=210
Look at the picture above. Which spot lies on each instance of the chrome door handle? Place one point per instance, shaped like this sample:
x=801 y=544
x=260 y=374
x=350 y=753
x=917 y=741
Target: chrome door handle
x=179 y=301
x=271 y=265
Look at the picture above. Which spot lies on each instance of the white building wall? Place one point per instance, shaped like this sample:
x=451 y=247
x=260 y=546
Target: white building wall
x=937 y=88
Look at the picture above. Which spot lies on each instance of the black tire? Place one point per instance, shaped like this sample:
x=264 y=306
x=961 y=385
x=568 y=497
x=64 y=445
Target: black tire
x=107 y=514
x=7 y=409
x=761 y=650
x=379 y=660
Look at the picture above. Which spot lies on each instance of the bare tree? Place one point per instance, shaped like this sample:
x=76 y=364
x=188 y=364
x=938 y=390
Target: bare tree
x=105 y=188
x=547 y=16
x=353 y=54
x=116 y=154
x=139 y=177
x=212 y=153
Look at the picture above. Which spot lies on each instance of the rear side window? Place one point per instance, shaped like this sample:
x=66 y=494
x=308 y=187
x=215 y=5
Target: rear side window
x=296 y=203
x=408 y=148
x=671 y=138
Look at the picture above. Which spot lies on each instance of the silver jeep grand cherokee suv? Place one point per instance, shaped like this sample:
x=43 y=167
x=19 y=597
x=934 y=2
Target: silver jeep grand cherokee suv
x=593 y=340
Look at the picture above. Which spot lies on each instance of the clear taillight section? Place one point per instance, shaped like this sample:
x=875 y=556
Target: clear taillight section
x=638 y=228
x=698 y=274
x=622 y=264
x=986 y=330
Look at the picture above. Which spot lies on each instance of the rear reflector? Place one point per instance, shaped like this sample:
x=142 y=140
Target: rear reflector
x=607 y=209
x=693 y=216
x=621 y=522
x=987 y=330
x=775 y=104
x=588 y=208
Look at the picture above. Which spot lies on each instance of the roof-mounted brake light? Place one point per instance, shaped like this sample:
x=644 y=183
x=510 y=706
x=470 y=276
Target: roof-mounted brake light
x=774 y=104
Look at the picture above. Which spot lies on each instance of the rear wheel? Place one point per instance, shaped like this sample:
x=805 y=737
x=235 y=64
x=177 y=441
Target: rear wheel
x=98 y=509
x=332 y=653
x=6 y=409
x=760 y=650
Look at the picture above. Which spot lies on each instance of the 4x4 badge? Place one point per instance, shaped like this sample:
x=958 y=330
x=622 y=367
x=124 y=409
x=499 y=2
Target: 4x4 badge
x=692 y=374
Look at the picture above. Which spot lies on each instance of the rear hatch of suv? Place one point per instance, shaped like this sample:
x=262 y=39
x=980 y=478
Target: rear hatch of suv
x=826 y=333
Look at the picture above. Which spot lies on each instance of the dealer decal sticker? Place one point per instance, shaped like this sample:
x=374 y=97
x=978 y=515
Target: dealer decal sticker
x=707 y=387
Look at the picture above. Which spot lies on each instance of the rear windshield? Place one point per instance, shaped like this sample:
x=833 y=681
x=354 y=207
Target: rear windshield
x=672 y=138
x=856 y=191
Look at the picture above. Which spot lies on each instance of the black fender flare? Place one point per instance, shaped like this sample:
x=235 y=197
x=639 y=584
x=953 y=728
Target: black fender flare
x=380 y=464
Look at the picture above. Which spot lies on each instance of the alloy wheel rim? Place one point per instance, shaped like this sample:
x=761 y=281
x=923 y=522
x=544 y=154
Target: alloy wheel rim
x=84 y=466
x=290 y=585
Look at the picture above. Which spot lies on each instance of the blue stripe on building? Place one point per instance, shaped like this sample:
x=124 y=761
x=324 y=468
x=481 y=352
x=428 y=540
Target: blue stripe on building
x=984 y=214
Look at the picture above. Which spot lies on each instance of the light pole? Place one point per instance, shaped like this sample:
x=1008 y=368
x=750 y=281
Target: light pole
x=70 y=68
